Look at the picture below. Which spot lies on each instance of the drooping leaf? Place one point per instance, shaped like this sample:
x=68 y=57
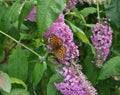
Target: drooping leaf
x=18 y=64
x=5 y=82
x=24 y=12
x=112 y=10
x=110 y=68
x=38 y=72
x=47 y=13
x=51 y=89
x=78 y=32
x=87 y=11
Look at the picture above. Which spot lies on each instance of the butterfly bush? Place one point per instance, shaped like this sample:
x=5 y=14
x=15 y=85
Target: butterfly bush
x=75 y=82
x=61 y=30
x=102 y=40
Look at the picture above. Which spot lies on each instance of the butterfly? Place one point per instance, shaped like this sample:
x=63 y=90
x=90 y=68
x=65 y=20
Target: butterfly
x=57 y=47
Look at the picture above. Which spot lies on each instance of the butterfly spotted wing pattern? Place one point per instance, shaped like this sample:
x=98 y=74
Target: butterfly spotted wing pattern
x=57 y=47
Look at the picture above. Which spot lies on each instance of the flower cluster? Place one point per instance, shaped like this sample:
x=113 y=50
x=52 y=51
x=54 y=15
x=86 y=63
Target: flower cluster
x=61 y=30
x=71 y=4
x=75 y=82
x=101 y=39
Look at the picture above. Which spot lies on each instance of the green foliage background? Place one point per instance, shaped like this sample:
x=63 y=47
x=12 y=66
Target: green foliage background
x=28 y=70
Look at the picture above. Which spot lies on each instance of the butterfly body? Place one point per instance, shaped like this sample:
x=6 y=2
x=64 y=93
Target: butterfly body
x=58 y=49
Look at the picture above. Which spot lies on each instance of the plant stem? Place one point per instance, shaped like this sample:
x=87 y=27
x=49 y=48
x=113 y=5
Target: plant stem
x=40 y=57
x=35 y=93
x=98 y=12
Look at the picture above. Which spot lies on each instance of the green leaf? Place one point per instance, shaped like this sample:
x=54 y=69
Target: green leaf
x=17 y=91
x=24 y=12
x=78 y=32
x=89 y=25
x=18 y=81
x=47 y=13
x=117 y=92
x=92 y=48
x=10 y=16
x=87 y=11
x=51 y=89
x=18 y=64
x=104 y=88
x=3 y=9
x=76 y=13
x=113 y=12
x=2 y=44
x=89 y=68
x=25 y=36
x=14 y=32
x=23 y=27
x=110 y=68
x=5 y=83
x=38 y=71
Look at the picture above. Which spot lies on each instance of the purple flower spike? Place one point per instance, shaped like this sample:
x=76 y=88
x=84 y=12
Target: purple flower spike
x=75 y=82
x=102 y=40
x=62 y=31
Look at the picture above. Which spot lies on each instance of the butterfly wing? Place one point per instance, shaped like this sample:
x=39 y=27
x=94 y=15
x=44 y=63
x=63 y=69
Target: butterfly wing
x=57 y=47
x=60 y=53
x=55 y=42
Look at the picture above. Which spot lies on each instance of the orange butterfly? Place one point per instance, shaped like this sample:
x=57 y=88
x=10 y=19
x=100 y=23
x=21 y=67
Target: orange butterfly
x=58 y=49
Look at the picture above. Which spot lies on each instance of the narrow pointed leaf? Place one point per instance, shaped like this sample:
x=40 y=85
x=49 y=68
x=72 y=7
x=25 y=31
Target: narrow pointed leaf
x=87 y=11
x=78 y=32
x=38 y=72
